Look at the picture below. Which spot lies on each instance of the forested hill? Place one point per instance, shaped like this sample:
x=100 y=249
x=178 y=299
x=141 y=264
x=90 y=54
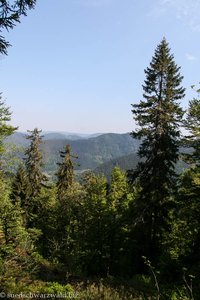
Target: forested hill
x=125 y=162
x=91 y=151
x=129 y=162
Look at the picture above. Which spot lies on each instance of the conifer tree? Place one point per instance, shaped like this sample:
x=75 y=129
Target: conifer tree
x=189 y=187
x=192 y=125
x=67 y=191
x=21 y=192
x=16 y=247
x=158 y=116
x=5 y=128
x=10 y=13
x=186 y=239
x=65 y=174
x=95 y=242
x=118 y=199
x=33 y=162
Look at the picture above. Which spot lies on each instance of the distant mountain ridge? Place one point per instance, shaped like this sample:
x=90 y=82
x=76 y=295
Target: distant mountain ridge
x=92 y=150
x=68 y=135
x=20 y=137
x=97 y=152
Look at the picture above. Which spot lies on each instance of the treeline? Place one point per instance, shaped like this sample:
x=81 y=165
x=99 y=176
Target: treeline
x=143 y=221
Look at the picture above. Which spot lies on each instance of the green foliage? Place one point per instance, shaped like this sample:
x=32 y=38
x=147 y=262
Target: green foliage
x=96 y=224
x=16 y=247
x=5 y=128
x=64 y=244
x=158 y=117
x=66 y=232
x=96 y=291
x=46 y=220
x=65 y=172
x=10 y=13
x=125 y=163
x=56 y=289
x=185 y=234
x=192 y=125
x=184 y=239
x=118 y=190
x=21 y=191
x=10 y=158
x=34 y=163
x=119 y=197
x=91 y=152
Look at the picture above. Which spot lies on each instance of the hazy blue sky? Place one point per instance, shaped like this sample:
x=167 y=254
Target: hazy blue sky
x=77 y=65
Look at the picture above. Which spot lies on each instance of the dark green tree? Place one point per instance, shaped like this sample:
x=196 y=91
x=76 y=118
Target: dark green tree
x=16 y=247
x=21 y=192
x=95 y=246
x=119 y=197
x=34 y=163
x=158 y=116
x=65 y=174
x=192 y=125
x=10 y=13
x=67 y=211
x=186 y=241
x=5 y=128
x=67 y=241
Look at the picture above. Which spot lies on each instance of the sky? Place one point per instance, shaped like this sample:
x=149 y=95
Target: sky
x=78 y=65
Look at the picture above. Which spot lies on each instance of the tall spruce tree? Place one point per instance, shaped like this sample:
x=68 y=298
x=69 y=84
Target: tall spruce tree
x=67 y=210
x=34 y=163
x=65 y=172
x=21 y=192
x=158 y=116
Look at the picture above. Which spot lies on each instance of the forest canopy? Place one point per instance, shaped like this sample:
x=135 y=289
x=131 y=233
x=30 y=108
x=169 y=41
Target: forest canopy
x=60 y=235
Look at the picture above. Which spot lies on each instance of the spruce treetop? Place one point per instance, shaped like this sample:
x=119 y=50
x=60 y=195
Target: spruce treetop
x=161 y=91
x=159 y=114
x=65 y=172
x=33 y=161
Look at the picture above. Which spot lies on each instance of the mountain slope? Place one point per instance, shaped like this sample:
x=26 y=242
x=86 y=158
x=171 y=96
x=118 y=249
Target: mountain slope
x=129 y=162
x=91 y=151
x=126 y=162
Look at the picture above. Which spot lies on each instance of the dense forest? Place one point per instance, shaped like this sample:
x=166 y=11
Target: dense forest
x=136 y=236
